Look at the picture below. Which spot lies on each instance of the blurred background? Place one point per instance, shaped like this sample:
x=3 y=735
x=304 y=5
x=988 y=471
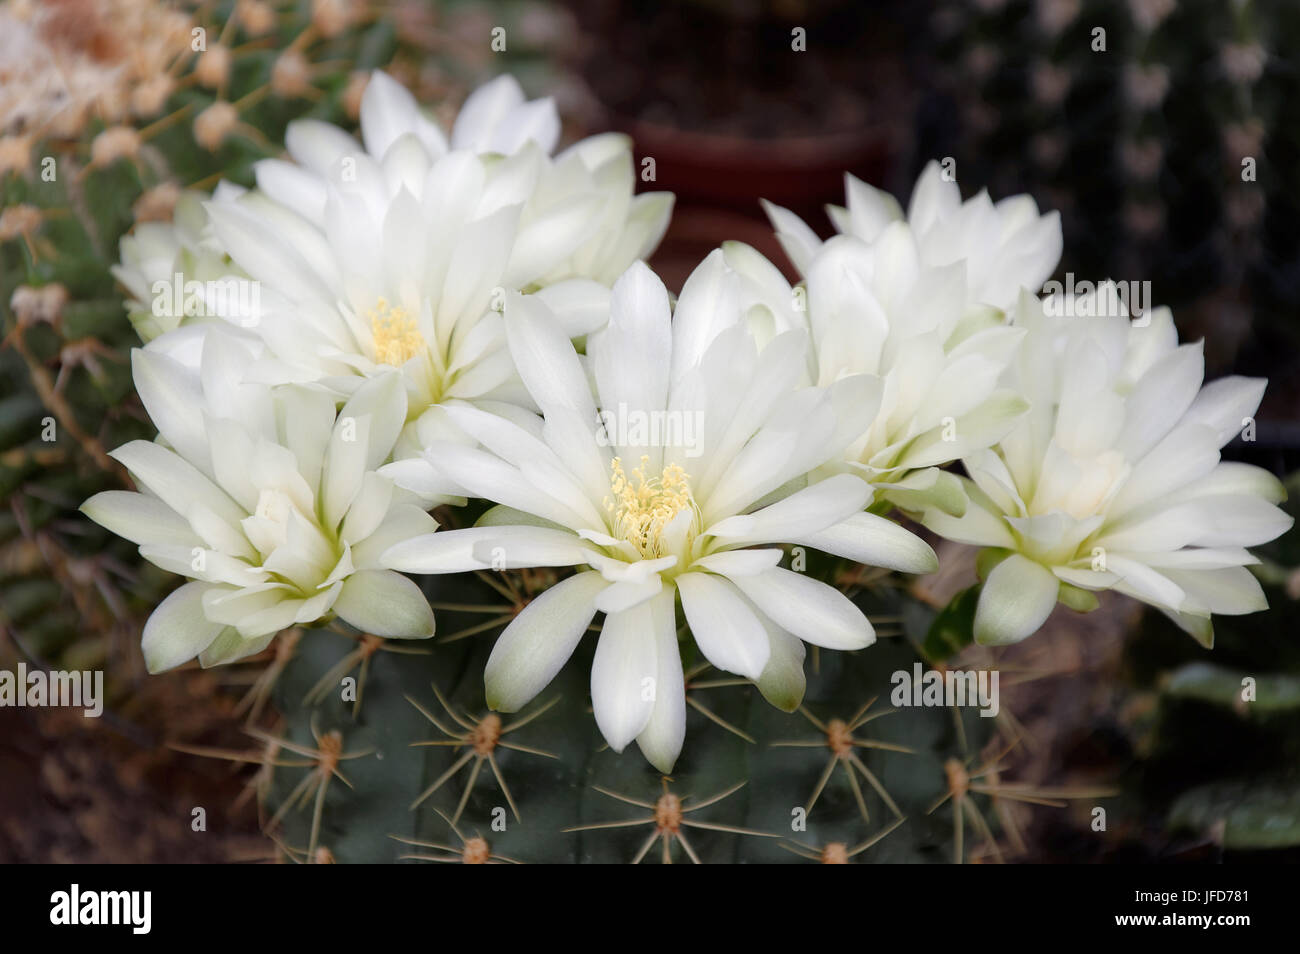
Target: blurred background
x=1166 y=132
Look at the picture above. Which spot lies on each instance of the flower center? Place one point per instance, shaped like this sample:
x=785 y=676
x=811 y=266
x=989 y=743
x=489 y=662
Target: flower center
x=1089 y=493
x=645 y=510
x=397 y=339
x=270 y=523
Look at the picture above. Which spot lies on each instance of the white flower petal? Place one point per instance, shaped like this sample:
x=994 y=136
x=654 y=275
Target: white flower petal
x=804 y=512
x=1226 y=405
x=725 y=628
x=624 y=595
x=982 y=524
x=579 y=305
x=368 y=509
x=403 y=522
x=483 y=111
x=873 y=541
x=1161 y=398
x=248 y=241
x=537 y=122
x=230 y=647
x=541 y=548
x=345 y=468
x=231 y=604
x=661 y=739
x=545 y=357
x=452 y=551
x=177 y=630
x=539 y=640
x=624 y=675
x=535 y=460
x=807 y=608
x=1015 y=601
x=173 y=398
x=292 y=186
x=631 y=354
x=709 y=302
x=385 y=604
x=783 y=681
x=388 y=111
x=799 y=241
x=175 y=481
x=934 y=197
x=1233 y=591
x=139 y=518
x=870 y=209
x=485 y=475
x=1143 y=582
x=733 y=563
x=319 y=145
x=1196 y=558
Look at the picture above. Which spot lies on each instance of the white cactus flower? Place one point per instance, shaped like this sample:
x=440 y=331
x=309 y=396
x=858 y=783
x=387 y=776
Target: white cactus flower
x=877 y=308
x=1006 y=245
x=921 y=302
x=1113 y=479
x=618 y=226
x=579 y=221
x=399 y=253
x=694 y=451
x=402 y=273
x=156 y=252
x=269 y=501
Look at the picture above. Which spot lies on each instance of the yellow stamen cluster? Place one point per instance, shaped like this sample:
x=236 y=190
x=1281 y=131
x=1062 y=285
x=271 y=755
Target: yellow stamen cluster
x=642 y=508
x=397 y=339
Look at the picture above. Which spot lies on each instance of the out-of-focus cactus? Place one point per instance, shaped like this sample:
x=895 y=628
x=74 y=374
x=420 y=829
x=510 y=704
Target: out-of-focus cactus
x=1218 y=741
x=1159 y=128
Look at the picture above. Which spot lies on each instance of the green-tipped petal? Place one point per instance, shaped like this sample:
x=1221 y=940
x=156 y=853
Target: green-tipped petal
x=1016 y=600
x=1081 y=601
x=386 y=604
x=930 y=488
x=231 y=647
x=139 y=518
x=539 y=641
x=178 y=631
x=874 y=541
x=783 y=682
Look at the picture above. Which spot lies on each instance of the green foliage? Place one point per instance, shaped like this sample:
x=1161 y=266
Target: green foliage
x=953 y=628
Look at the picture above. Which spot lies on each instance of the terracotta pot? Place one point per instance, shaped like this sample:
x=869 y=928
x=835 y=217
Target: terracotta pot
x=730 y=113
x=719 y=180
